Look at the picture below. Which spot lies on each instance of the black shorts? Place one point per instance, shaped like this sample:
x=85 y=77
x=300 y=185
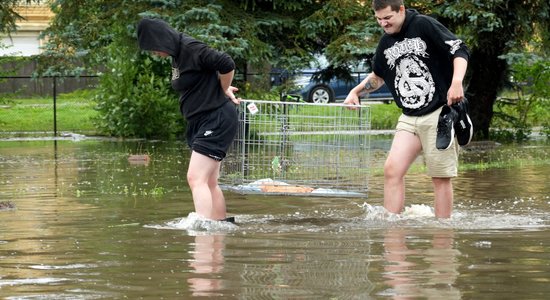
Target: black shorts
x=212 y=133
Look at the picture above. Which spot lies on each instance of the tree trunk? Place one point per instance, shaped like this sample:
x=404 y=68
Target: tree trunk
x=488 y=73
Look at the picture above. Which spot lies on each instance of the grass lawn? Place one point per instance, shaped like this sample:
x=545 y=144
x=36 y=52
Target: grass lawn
x=384 y=116
x=75 y=112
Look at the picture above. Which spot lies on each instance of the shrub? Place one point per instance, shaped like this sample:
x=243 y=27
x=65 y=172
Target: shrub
x=133 y=101
x=526 y=107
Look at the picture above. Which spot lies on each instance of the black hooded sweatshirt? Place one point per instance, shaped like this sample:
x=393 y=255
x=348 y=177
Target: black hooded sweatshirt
x=417 y=63
x=195 y=66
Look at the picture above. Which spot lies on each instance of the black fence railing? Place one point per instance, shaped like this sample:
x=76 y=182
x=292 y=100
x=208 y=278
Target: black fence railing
x=31 y=104
x=36 y=104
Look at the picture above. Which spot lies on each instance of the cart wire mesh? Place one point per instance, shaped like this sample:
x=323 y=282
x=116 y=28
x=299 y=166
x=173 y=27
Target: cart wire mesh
x=299 y=148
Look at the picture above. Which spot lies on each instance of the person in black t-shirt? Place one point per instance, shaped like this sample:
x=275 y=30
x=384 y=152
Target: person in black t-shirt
x=203 y=77
x=423 y=64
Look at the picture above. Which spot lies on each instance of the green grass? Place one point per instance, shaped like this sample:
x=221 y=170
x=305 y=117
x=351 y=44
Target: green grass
x=384 y=116
x=502 y=157
x=506 y=156
x=75 y=112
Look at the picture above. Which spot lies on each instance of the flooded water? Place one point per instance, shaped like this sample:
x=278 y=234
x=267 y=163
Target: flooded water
x=89 y=224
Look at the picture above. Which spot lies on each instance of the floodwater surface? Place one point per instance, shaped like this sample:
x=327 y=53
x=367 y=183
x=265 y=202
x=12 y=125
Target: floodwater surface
x=89 y=224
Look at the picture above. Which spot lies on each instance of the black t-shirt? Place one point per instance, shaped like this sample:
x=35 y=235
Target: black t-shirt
x=417 y=63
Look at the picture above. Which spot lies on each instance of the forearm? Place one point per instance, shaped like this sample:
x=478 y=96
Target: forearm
x=226 y=79
x=456 y=90
x=369 y=84
x=459 y=69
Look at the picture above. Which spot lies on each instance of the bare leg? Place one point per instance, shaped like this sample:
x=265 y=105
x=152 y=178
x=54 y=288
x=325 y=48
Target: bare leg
x=202 y=177
x=218 y=200
x=405 y=148
x=443 y=190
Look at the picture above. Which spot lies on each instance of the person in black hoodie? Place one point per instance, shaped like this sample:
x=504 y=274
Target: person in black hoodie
x=203 y=77
x=423 y=64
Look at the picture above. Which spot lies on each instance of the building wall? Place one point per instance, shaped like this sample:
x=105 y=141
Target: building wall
x=25 y=41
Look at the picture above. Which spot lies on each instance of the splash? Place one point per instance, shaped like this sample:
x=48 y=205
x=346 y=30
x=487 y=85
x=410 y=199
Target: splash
x=415 y=211
x=423 y=215
x=497 y=220
x=195 y=223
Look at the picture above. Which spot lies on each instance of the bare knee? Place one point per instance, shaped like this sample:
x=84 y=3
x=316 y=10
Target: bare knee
x=190 y=179
x=213 y=183
x=392 y=171
x=193 y=180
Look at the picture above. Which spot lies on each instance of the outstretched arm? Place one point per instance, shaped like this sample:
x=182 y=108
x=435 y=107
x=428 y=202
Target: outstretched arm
x=371 y=83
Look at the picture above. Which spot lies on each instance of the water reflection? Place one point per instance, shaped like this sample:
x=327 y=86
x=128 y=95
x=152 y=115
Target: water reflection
x=413 y=272
x=77 y=232
x=206 y=263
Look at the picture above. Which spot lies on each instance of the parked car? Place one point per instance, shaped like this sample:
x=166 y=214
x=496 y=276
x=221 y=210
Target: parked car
x=336 y=89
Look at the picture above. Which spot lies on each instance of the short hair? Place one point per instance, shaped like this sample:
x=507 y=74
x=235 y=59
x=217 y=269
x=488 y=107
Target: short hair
x=381 y=4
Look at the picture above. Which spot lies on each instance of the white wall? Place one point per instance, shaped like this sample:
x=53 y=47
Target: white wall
x=20 y=44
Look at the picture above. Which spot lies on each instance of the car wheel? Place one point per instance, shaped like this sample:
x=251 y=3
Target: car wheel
x=320 y=94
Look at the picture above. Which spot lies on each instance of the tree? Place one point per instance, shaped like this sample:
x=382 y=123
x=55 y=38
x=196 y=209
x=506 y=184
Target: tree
x=253 y=32
x=9 y=15
x=86 y=33
x=494 y=29
x=288 y=33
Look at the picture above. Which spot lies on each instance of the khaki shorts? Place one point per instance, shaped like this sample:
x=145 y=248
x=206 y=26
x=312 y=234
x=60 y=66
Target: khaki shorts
x=439 y=163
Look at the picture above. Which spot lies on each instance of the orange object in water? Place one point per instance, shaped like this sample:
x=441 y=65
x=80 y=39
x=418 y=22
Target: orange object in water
x=139 y=159
x=286 y=189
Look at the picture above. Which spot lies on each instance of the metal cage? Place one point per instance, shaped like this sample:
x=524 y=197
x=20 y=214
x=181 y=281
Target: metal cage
x=299 y=148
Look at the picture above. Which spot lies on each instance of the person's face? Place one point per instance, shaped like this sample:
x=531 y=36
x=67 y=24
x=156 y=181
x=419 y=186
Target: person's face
x=160 y=53
x=391 y=21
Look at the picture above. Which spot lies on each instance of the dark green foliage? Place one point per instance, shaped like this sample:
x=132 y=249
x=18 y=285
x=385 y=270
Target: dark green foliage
x=135 y=102
x=492 y=29
x=8 y=15
x=527 y=107
x=288 y=33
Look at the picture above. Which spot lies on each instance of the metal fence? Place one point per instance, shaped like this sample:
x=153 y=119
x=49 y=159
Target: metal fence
x=299 y=148
x=31 y=105
x=36 y=104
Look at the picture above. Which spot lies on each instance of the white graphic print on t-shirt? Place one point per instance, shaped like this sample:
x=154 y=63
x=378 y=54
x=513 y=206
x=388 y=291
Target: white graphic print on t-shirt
x=175 y=73
x=413 y=81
